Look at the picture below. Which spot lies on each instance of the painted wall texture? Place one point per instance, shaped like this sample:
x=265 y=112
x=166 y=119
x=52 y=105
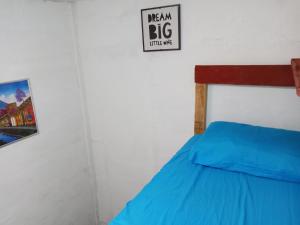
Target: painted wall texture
x=141 y=105
x=44 y=179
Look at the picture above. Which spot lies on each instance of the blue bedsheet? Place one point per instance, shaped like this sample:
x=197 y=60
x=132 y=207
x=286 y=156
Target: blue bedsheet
x=183 y=193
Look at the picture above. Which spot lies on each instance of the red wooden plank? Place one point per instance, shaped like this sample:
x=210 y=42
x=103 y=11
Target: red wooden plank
x=267 y=75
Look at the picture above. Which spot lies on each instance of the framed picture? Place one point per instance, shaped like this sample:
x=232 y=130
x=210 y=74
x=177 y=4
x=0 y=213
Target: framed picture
x=161 y=28
x=17 y=116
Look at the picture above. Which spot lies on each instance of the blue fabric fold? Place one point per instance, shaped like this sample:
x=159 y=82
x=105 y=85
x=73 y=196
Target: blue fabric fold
x=260 y=151
x=184 y=193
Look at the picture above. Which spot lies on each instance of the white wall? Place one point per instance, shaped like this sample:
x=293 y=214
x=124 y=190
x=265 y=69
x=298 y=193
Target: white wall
x=45 y=179
x=141 y=105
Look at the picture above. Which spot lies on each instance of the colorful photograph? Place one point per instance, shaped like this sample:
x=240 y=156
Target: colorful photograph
x=17 y=117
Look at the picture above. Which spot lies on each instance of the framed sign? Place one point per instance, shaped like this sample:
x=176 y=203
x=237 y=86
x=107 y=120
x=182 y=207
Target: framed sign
x=161 y=28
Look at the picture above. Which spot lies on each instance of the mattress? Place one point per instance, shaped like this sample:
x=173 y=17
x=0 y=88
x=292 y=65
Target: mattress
x=183 y=193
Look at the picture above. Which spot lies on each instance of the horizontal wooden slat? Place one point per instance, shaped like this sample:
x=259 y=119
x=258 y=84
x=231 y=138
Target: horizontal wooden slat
x=267 y=75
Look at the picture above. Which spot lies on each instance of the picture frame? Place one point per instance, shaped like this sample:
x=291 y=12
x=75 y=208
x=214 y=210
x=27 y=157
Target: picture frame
x=161 y=28
x=17 y=113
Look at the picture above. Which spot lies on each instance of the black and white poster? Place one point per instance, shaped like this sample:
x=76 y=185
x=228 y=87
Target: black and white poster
x=161 y=28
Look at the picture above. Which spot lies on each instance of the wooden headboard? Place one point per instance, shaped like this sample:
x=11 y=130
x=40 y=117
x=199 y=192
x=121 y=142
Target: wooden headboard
x=262 y=75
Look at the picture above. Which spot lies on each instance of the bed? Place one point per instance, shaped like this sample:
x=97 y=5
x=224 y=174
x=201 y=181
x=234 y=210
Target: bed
x=223 y=175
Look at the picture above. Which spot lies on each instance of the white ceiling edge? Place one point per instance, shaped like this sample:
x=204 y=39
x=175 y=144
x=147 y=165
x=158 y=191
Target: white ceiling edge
x=63 y=0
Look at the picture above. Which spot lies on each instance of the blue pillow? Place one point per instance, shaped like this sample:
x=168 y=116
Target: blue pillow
x=260 y=151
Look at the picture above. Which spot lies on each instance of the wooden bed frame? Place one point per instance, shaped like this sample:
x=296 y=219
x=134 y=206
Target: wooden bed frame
x=263 y=75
